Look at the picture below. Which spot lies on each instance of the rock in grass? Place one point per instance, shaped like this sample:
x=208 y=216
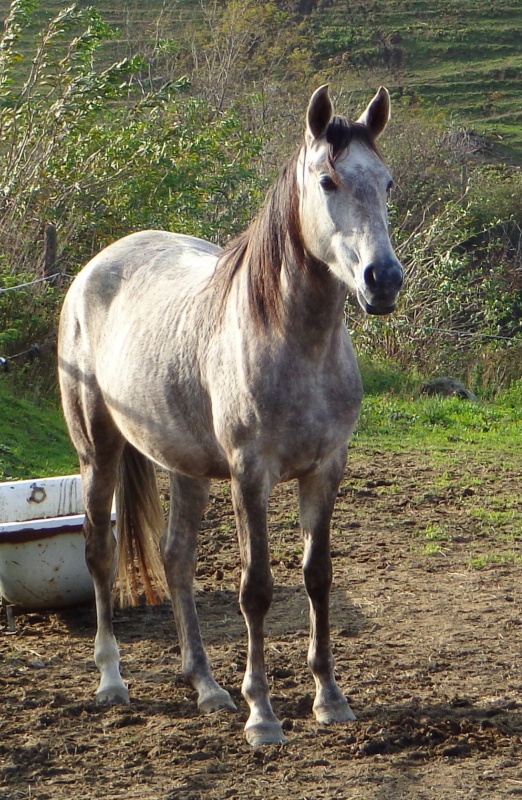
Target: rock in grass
x=448 y=387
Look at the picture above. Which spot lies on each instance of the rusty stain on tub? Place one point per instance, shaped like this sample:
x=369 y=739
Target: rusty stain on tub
x=36 y=534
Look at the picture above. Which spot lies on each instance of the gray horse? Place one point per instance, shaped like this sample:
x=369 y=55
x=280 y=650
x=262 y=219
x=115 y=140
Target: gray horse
x=230 y=364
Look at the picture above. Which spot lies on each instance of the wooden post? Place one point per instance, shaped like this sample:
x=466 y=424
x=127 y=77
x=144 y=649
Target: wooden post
x=49 y=265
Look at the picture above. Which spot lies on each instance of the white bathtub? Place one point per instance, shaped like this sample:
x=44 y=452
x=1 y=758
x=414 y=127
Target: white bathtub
x=42 y=550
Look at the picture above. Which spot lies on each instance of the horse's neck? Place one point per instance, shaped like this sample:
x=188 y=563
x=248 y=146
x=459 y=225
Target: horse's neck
x=313 y=303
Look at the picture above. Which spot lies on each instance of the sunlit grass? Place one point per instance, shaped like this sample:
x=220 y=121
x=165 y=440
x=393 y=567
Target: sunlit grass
x=434 y=539
x=447 y=423
x=490 y=559
x=33 y=438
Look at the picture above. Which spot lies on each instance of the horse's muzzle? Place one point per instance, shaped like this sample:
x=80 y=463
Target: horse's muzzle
x=382 y=282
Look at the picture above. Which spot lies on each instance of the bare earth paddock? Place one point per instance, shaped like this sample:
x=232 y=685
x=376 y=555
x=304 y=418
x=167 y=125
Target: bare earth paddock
x=427 y=648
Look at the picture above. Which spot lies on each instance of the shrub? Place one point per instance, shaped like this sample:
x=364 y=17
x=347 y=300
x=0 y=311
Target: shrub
x=83 y=146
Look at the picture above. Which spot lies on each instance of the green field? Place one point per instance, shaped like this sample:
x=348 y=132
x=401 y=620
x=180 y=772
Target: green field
x=33 y=438
x=462 y=59
x=394 y=415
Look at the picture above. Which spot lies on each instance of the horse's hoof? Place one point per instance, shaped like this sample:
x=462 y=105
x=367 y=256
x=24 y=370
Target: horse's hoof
x=115 y=696
x=339 y=711
x=264 y=733
x=215 y=701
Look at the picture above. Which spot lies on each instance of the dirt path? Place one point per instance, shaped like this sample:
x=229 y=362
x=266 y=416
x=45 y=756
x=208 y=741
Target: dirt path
x=427 y=649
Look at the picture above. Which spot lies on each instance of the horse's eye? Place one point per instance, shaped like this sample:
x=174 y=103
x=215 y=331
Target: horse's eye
x=327 y=183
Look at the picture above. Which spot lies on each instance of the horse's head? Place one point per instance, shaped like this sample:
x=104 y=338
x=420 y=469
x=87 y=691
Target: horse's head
x=343 y=192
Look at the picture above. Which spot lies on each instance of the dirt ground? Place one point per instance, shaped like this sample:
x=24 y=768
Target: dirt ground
x=427 y=649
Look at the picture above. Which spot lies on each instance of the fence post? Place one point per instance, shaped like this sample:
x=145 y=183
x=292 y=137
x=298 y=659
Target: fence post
x=49 y=265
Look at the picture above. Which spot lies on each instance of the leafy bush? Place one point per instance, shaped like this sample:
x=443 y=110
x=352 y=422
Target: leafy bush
x=83 y=146
x=102 y=150
x=459 y=310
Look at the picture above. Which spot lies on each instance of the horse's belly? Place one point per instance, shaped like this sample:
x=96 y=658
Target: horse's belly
x=171 y=443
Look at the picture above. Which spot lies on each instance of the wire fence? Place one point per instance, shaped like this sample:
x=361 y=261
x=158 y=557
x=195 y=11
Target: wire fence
x=35 y=351
x=462 y=334
x=31 y=283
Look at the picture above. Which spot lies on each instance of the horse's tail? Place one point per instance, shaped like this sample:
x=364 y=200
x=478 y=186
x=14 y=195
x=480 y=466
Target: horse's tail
x=140 y=524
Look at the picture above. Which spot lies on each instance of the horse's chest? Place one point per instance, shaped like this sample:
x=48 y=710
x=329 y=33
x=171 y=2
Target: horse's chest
x=284 y=407
x=317 y=419
x=297 y=422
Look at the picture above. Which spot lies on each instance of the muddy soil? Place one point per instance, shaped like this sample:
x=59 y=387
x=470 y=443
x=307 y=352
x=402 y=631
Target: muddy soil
x=427 y=649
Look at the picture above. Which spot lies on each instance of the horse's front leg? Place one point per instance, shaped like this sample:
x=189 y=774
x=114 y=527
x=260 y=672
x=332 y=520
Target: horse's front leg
x=250 y=499
x=317 y=493
x=188 y=499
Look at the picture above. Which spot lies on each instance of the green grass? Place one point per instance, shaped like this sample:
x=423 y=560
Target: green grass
x=435 y=537
x=440 y=423
x=489 y=559
x=33 y=438
x=468 y=454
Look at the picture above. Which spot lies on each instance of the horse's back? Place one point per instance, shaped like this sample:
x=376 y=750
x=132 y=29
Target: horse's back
x=134 y=276
x=145 y=256
x=130 y=334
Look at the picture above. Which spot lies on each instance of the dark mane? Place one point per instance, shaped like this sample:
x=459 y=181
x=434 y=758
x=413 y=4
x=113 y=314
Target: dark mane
x=276 y=232
x=272 y=234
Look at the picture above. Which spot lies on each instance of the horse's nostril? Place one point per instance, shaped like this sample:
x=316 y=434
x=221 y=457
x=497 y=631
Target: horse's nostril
x=370 y=277
x=385 y=275
x=397 y=276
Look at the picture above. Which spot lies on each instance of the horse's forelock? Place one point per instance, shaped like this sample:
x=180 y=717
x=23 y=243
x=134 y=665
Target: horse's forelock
x=340 y=133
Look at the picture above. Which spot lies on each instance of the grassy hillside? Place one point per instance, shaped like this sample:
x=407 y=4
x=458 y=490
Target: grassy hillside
x=33 y=438
x=462 y=57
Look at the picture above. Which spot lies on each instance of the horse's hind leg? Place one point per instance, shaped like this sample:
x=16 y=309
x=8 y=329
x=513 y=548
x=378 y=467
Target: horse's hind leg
x=99 y=445
x=99 y=481
x=317 y=493
x=189 y=497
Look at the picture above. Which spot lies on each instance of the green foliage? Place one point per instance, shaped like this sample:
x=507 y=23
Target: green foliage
x=83 y=146
x=175 y=169
x=457 y=229
x=495 y=193
x=38 y=447
x=185 y=132
x=244 y=47
x=26 y=315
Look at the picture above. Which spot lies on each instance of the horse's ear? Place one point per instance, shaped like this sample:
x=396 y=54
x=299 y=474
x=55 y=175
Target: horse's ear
x=319 y=114
x=377 y=113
